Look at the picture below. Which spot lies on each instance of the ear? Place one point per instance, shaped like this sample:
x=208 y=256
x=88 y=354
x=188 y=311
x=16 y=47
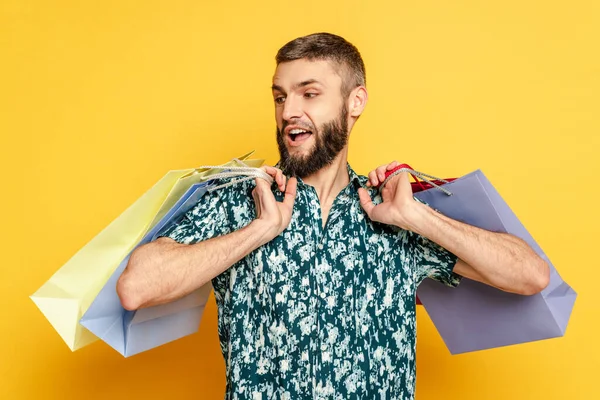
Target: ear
x=358 y=101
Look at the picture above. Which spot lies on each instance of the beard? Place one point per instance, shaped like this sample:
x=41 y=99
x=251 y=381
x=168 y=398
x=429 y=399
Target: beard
x=330 y=139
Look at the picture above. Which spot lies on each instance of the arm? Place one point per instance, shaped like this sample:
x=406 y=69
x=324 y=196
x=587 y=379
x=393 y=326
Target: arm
x=497 y=259
x=164 y=270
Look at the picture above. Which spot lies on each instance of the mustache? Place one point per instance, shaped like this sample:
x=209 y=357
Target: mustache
x=297 y=123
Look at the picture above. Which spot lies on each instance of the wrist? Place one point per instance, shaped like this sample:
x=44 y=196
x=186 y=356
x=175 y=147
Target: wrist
x=415 y=218
x=263 y=231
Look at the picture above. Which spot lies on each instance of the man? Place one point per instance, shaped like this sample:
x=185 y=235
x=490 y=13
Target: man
x=315 y=279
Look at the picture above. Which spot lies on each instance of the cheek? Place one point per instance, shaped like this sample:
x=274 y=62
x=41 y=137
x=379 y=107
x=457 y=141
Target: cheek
x=323 y=109
x=279 y=117
x=321 y=115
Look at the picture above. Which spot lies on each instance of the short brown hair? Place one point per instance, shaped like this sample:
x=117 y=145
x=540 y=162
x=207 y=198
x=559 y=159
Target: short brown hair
x=330 y=47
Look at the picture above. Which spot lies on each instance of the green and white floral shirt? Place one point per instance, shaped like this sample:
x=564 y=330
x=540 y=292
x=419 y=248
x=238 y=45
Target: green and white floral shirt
x=318 y=313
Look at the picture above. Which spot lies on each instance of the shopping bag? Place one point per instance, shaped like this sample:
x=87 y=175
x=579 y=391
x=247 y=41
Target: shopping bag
x=475 y=316
x=69 y=292
x=132 y=332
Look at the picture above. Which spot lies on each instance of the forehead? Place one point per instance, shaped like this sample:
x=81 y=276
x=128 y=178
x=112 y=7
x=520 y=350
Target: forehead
x=288 y=74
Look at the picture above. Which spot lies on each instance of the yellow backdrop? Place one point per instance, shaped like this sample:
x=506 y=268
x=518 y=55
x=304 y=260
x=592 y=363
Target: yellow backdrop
x=100 y=99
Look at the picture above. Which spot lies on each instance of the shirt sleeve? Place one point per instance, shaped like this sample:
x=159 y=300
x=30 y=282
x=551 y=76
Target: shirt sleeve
x=207 y=219
x=433 y=261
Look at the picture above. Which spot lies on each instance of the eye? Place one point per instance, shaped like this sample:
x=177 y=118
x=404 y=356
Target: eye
x=310 y=95
x=279 y=99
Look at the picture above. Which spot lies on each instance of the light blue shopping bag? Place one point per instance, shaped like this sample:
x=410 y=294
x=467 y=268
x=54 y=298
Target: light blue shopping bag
x=132 y=332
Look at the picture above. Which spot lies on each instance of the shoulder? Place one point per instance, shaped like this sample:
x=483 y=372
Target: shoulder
x=234 y=197
x=231 y=190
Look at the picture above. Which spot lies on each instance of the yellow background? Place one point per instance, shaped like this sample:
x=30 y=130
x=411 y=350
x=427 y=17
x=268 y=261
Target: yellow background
x=99 y=99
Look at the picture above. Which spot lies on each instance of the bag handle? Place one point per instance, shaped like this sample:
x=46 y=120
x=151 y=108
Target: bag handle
x=415 y=174
x=246 y=171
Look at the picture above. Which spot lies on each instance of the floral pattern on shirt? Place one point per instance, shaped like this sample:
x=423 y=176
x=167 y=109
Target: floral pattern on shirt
x=318 y=312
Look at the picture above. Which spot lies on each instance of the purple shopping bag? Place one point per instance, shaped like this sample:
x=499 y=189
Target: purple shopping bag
x=474 y=316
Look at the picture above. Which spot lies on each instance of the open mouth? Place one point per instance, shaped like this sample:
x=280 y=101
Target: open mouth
x=299 y=135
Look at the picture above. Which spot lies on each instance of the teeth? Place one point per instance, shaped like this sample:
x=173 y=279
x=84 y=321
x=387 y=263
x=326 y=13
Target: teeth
x=296 y=131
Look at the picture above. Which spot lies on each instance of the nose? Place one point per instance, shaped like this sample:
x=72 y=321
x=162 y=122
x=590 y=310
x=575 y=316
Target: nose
x=291 y=108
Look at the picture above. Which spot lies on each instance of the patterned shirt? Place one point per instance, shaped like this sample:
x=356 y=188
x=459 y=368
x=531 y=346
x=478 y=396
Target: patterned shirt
x=317 y=313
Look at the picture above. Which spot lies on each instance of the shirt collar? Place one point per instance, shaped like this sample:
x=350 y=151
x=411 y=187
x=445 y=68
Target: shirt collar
x=356 y=181
x=353 y=176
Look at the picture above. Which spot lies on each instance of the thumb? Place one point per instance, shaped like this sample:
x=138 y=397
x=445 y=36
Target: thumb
x=264 y=195
x=365 y=201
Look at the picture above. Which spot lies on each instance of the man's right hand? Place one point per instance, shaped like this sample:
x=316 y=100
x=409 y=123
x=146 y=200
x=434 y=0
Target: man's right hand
x=163 y=271
x=275 y=216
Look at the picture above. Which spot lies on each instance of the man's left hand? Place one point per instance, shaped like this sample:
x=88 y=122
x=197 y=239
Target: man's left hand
x=398 y=203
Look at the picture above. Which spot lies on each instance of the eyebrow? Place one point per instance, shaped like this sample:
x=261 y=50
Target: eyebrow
x=297 y=85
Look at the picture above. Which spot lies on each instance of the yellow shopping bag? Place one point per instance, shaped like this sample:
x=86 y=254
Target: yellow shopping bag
x=67 y=295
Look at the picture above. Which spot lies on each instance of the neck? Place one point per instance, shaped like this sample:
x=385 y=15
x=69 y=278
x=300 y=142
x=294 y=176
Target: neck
x=330 y=180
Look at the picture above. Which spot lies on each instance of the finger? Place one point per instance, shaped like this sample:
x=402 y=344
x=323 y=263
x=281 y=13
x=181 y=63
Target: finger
x=405 y=181
x=290 y=192
x=392 y=165
x=272 y=171
x=256 y=202
x=381 y=173
x=373 y=178
x=398 y=184
x=276 y=174
x=365 y=201
x=267 y=201
x=280 y=179
x=268 y=169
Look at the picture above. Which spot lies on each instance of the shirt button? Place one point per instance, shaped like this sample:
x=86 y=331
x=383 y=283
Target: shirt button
x=320 y=246
x=323 y=295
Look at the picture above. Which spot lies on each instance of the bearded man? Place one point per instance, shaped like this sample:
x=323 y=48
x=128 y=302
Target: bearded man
x=315 y=278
